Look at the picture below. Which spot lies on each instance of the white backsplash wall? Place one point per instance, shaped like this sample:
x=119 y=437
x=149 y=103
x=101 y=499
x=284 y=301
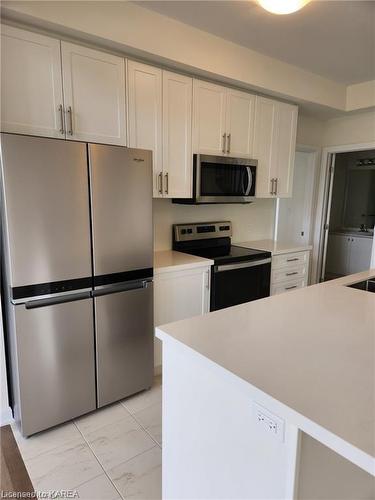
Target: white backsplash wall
x=252 y=221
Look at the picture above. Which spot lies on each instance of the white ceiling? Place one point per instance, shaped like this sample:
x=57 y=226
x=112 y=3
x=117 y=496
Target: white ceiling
x=334 y=39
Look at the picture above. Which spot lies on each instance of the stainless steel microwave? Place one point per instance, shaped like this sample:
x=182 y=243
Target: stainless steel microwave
x=221 y=179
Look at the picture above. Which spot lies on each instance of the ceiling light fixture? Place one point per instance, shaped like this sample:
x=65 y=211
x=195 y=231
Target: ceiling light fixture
x=282 y=6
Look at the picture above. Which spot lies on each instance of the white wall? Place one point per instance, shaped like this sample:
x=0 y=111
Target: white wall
x=310 y=131
x=351 y=129
x=250 y=222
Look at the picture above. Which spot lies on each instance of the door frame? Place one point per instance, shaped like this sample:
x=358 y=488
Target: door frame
x=323 y=204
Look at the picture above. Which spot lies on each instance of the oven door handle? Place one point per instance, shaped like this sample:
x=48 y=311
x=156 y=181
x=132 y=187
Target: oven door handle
x=240 y=265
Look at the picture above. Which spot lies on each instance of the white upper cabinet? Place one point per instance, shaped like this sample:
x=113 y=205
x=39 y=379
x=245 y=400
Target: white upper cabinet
x=275 y=131
x=240 y=110
x=264 y=146
x=209 y=118
x=286 y=148
x=223 y=120
x=94 y=95
x=145 y=115
x=159 y=116
x=31 y=87
x=177 y=151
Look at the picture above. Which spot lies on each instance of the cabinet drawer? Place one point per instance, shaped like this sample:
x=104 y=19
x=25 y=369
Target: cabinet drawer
x=288 y=273
x=290 y=260
x=288 y=286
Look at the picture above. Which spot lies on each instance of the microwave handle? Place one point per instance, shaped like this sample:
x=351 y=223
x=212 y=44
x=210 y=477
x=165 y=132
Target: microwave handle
x=250 y=181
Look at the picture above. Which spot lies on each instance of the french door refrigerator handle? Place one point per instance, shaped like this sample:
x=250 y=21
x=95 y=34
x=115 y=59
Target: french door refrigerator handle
x=60 y=299
x=121 y=287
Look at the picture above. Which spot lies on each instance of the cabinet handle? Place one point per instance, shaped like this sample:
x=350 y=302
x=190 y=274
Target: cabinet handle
x=69 y=112
x=228 y=146
x=272 y=181
x=61 y=110
x=276 y=181
x=290 y=287
x=160 y=183
x=224 y=141
x=292 y=260
x=166 y=183
x=291 y=274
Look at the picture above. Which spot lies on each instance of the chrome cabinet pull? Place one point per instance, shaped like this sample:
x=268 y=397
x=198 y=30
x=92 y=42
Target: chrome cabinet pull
x=224 y=141
x=228 y=146
x=166 y=183
x=292 y=260
x=160 y=183
x=69 y=113
x=290 y=287
x=272 y=186
x=276 y=182
x=291 y=274
x=61 y=110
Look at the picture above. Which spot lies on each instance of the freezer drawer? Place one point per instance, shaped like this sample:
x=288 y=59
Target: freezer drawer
x=56 y=361
x=124 y=337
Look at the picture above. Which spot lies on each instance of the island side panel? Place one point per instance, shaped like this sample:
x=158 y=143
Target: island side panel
x=213 y=448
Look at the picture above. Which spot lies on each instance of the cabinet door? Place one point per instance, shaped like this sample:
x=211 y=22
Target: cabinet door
x=265 y=145
x=337 y=260
x=360 y=254
x=145 y=115
x=31 y=85
x=286 y=130
x=94 y=95
x=177 y=152
x=180 y=295
x=240 y=112
x=209 y=118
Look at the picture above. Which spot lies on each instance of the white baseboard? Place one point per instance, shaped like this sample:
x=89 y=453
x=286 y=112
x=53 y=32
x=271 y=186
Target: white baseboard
x=6 y=416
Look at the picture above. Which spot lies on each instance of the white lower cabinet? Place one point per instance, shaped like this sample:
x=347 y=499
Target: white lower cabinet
x=289 y=272
x=348 y=254
x=180 y=295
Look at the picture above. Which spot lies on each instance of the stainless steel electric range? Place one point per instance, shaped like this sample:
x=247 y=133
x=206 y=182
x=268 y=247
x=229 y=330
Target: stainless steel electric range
x=238 y=275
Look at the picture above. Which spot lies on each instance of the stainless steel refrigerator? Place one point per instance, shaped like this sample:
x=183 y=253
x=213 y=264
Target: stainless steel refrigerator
x=77 y=268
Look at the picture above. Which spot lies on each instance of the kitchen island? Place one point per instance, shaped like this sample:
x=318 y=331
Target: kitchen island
x=274 y=398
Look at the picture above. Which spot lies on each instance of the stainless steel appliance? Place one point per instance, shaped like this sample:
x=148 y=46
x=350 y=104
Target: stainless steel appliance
x=221 y=179
x=78 y=265
x=239 y=274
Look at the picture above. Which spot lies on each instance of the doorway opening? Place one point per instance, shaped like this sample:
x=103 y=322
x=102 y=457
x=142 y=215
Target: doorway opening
x=349 y=214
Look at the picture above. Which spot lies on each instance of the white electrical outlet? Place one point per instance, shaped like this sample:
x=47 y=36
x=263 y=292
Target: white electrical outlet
x=269 y=422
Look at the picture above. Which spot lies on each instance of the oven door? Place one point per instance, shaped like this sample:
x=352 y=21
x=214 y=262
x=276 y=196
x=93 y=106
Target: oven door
x=224 y=180
x=240 y=282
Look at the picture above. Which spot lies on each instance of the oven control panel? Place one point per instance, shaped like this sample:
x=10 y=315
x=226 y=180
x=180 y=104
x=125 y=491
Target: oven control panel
x=202 y=230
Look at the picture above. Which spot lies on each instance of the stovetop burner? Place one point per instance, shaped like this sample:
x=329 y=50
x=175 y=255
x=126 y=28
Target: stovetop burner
x=212 y=241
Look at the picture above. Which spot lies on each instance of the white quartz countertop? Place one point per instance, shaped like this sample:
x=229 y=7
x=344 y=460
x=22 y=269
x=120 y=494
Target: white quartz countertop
x=170 y=260
x=275 y=247
x=313 y=350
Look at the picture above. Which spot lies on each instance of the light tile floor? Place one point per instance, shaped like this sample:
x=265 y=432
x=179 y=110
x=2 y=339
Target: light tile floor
x=111 y=454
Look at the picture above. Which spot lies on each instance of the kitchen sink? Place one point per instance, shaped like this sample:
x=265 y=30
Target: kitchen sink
x=367 y=285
